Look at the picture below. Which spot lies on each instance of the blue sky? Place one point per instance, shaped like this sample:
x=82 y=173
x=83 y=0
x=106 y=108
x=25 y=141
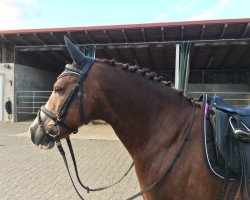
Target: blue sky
x=27 y=14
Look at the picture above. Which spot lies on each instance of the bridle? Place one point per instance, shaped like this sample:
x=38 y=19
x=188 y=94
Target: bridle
x=77 y=90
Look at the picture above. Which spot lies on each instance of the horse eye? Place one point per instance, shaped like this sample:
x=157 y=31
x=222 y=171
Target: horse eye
x=58 y=90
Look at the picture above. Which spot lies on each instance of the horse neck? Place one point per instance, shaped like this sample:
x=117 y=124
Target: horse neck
x=135 y=107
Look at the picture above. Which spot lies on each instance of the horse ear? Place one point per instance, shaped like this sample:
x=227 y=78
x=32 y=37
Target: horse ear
x=75 y=53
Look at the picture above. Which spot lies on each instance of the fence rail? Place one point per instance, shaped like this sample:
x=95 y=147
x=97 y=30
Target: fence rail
x=233 y=98
x=29 y=102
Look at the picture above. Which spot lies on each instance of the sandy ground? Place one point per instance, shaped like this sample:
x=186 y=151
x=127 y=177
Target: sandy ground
x=100 y=130
x=34 y=174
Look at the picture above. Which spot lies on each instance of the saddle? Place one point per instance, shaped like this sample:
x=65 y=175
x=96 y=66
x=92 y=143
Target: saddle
x=231 y=135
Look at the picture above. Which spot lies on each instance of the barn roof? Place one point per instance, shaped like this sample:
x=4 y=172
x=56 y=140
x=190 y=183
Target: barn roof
x=216 y=44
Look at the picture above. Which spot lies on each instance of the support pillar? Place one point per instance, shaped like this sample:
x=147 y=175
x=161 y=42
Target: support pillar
x=177 y=65
x=89 y=50
x=182 y=66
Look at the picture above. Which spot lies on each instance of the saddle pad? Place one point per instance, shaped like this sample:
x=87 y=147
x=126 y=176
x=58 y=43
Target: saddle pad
x=210 y=148
x=226 y=144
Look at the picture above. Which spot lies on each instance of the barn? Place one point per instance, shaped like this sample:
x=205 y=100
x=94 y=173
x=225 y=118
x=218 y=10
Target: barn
x=210 y=56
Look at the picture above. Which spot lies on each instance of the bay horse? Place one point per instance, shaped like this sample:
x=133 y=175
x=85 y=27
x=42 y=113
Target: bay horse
x=159 y=126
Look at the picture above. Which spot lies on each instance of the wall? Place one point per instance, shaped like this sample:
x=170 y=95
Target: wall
x=32 y=79
x=217 y=87
x=7 y=70
x=29 y=78
x=7 y=54
x=226 y=91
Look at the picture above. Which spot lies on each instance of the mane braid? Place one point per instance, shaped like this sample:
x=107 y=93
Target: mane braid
x=144 y=72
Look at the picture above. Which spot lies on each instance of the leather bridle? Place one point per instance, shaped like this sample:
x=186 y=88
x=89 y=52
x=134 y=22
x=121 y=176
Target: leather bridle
x=77 y=90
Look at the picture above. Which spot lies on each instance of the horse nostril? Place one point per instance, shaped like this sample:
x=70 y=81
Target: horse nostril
x=52 y=130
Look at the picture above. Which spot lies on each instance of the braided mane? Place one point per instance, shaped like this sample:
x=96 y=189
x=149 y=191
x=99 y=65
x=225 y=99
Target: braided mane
x=147 y=73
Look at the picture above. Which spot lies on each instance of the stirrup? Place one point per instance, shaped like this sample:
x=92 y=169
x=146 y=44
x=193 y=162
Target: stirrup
x=240 y=133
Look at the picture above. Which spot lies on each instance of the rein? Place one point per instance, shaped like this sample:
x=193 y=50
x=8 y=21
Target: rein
x=177 y=155
x=88 y=189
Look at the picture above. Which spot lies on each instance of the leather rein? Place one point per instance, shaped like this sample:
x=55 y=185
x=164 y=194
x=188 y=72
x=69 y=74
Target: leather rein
x=71 y=69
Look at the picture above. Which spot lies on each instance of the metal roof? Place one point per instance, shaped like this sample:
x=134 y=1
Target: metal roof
x=217 y=44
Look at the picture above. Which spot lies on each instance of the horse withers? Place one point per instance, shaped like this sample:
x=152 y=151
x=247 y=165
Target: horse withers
x=158 y=125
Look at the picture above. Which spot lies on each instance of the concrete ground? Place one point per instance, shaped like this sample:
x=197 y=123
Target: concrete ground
x=30 y=173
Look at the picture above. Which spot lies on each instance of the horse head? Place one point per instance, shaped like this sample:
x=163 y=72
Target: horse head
x=64 y=111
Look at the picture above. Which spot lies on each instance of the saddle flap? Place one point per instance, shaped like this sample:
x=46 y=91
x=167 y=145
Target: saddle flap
x=224 y=142
x=230 y=129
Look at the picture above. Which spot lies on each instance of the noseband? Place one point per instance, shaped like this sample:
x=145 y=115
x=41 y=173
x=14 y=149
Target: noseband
x=77 y=90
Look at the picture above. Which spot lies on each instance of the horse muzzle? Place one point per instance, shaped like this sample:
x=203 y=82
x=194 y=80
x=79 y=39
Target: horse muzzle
x=41 y=139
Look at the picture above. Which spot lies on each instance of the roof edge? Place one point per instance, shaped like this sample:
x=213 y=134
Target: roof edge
x=125 y=26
